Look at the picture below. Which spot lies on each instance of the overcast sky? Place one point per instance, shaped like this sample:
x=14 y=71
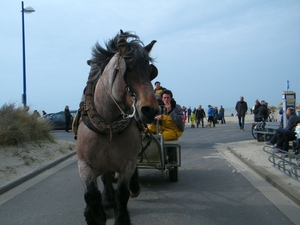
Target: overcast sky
x=207 y=52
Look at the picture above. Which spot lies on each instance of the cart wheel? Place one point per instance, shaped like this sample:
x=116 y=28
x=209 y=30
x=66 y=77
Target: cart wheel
x=253 y=131
x=173 y=174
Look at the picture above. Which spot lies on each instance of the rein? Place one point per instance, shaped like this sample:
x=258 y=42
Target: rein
x=124 y=115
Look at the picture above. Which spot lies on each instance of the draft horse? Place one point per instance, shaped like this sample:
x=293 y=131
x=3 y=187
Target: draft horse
x=118 y=98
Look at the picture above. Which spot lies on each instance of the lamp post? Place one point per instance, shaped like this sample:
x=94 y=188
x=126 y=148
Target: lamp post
x=27 y=10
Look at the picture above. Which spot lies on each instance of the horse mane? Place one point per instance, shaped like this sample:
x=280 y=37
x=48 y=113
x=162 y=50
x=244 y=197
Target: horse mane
x=101 y=56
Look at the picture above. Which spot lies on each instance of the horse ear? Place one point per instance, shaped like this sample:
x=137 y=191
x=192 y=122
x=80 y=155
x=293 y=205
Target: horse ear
x=123 y=50
x=153 y=72
x=149 y=46
x=122 y=43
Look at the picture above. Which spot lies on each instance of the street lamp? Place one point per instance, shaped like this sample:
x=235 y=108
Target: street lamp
x=27 y=10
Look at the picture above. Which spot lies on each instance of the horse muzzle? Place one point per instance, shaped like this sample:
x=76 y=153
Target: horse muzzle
x=148 y=113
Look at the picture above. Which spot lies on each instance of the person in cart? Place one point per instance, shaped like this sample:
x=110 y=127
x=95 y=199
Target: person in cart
x=158 y=90
x=171 y=127
x=170 y=118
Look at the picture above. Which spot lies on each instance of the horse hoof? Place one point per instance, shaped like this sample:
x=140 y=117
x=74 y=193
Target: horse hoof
x=134 y=195
x=110 y=213
x=92 y=219
x=108 y=205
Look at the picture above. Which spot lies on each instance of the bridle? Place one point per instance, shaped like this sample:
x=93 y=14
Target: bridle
x=91 y=117
x=120 y=68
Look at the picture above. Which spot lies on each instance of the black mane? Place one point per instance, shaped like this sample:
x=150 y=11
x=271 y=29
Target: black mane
x=101 y=56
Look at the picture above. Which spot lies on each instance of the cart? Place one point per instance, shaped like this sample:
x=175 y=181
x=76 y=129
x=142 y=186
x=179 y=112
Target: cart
x=159 y=154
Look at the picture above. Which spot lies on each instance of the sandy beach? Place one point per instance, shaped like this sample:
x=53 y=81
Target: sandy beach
x=18 y=161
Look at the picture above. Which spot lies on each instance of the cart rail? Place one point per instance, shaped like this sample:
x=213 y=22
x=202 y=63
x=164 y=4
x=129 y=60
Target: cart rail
x=159 y=154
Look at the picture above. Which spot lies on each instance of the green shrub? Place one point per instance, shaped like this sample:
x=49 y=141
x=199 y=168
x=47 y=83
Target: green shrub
x=17 y=126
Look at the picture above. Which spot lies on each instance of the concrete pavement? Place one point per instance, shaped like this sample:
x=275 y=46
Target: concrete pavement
x=249 y=151
x=257 y=160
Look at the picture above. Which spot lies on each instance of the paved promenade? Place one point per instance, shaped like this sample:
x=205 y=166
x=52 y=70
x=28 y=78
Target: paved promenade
x=250 y=152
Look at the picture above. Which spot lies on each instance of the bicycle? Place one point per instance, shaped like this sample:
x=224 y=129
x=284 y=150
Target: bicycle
x=271 y=117
x=258 y=126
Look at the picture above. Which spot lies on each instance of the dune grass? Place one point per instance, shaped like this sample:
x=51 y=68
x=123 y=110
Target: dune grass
x=18 y=126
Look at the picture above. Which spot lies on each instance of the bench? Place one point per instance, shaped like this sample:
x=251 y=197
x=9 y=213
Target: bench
x=266 y=132
x=295 y=141
x=296 y=146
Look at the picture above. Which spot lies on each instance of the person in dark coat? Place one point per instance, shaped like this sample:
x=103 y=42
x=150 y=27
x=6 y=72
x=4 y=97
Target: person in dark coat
x=282 y=136
x=241 y=108
x=200 y=114
x=189 y=112
x=262 y=112
x=222 y=114
x=255 y=107
x=68 y=117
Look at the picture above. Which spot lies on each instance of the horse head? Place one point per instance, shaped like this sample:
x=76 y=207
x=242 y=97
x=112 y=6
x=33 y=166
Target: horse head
x=138 y=76
x=127 y=75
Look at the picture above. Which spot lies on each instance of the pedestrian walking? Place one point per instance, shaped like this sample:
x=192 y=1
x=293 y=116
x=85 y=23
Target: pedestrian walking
x=241 y=108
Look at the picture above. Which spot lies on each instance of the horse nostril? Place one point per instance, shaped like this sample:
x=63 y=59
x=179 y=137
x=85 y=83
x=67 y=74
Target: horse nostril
x=149 y=111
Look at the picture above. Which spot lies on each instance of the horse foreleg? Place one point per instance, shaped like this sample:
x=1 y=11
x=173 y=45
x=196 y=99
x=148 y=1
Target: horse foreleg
x=108 y=194
x=122 y=197
x=94 y=213
x=134 y=184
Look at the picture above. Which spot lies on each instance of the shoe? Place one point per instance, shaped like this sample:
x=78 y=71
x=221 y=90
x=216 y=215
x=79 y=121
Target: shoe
x=277 y=147
x=269 y=143
x=66 y=130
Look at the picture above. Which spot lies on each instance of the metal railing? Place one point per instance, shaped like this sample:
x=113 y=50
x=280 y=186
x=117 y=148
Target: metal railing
x=288 y=163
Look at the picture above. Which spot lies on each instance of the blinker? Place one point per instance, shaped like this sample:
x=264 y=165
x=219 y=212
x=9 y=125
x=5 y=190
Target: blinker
x=129 y=91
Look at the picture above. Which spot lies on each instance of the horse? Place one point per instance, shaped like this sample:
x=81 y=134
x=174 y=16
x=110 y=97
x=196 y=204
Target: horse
x=118 y=102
